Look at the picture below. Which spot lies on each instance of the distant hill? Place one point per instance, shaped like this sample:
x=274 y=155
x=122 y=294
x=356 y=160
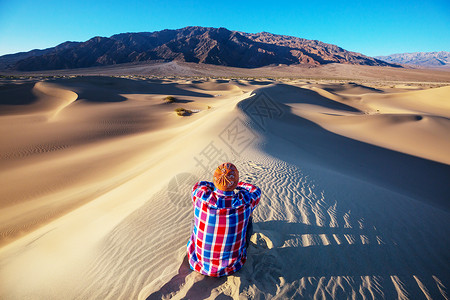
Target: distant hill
x=11 y=59
x=424 y=59
x=217 y=46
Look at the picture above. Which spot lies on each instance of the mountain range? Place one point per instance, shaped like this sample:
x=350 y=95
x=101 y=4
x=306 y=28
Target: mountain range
x=217 y=46
x=424 y=59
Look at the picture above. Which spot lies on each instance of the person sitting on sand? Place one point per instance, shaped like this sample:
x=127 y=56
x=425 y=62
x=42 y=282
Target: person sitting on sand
x=222 y=225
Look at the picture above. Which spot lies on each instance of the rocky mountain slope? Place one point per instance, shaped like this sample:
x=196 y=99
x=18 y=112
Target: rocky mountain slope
x=6 y=61
x=217 y=46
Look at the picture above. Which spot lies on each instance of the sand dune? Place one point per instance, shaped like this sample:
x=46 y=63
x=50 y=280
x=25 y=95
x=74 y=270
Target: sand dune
x=96 y=173
x=42 y=97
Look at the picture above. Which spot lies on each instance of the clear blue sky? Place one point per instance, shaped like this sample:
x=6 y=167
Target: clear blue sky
x=370 y=27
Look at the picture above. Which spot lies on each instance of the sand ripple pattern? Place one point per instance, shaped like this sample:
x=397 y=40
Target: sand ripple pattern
x=308 y=244
x=334 y=246
x=126 y=260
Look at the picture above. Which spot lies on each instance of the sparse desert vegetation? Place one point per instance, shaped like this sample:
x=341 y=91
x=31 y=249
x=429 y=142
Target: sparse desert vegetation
x=182 y=111
x=170 y=99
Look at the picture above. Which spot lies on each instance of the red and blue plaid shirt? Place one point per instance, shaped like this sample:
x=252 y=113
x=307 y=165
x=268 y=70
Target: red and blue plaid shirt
x=217 y=244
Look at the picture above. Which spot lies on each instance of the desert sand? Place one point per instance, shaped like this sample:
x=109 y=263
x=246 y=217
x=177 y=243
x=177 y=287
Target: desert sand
x=96 y=174
x=364 y=74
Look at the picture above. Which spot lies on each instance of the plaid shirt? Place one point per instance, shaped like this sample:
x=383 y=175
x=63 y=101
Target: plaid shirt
x=217 y=244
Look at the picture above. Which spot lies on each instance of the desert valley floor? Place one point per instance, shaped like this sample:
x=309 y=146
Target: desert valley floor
x=96 y=173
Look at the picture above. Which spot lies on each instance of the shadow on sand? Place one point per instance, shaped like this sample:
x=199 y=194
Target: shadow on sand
x=382 y=261
x=108 y=89
x=413 y=176
x=17 y=94
x=201 y=288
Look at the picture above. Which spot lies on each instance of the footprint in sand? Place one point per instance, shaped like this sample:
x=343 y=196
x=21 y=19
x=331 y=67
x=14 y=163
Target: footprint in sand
x=261 y=241
x=263 y=261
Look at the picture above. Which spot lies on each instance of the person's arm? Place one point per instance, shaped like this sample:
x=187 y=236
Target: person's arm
x=253 y=191
x=202 y=190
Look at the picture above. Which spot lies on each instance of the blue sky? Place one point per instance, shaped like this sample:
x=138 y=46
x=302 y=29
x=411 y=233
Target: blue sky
x=370 y=27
